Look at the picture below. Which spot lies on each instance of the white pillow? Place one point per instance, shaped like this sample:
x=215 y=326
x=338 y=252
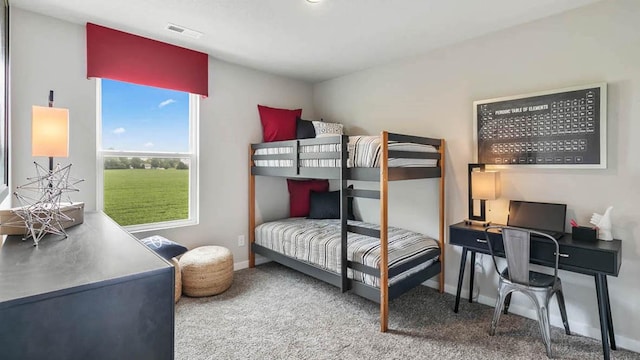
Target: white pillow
x=324 y=129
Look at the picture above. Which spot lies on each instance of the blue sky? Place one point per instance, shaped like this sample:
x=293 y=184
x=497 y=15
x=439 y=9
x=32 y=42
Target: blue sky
x=143 y=118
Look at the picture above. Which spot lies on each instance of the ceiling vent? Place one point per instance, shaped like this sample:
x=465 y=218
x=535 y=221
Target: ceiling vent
x=184 y=31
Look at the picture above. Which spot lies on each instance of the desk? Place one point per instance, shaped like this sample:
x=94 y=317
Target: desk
x=98 y=294
x=598 y=259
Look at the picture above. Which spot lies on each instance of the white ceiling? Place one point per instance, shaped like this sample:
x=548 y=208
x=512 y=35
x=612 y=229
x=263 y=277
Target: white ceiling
x=313 y=42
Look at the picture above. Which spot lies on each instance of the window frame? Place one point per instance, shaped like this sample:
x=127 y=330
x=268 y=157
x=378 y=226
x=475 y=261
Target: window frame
x=192 y=155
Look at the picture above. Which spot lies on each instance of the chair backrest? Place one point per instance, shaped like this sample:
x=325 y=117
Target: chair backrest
x=517 y=251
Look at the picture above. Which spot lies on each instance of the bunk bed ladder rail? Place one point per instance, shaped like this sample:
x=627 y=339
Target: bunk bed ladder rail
x=344 y=211
x=384 y=218
x=441 y=149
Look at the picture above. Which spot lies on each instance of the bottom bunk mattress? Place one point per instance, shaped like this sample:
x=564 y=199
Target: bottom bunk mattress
x=317 y=242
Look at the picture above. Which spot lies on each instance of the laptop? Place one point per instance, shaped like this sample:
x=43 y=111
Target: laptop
x=547 y=218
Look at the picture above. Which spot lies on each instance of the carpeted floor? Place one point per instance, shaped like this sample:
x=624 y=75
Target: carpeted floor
x=271 y=312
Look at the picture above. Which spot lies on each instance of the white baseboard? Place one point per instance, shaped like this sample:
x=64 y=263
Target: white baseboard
x=245 y=264
x=240 y=265
x=577 y=327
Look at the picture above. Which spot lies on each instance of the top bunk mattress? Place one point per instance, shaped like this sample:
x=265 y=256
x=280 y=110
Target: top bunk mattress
x=317 y=242
x=364 y=151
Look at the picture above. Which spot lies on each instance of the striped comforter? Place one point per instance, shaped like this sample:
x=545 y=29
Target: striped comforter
x=318 y=242
x=364 y=151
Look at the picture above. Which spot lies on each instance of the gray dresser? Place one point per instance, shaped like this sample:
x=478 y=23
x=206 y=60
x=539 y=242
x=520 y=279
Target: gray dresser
x=99 y=294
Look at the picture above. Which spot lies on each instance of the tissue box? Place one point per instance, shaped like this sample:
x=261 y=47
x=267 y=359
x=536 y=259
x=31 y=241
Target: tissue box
x=584 y=233
x=11 y=224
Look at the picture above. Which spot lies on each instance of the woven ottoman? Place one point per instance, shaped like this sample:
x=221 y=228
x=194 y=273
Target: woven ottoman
x=178 y=282
x=206 y=271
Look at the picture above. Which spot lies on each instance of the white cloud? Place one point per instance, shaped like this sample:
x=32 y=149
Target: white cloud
x=119 y=131
x=166 y=102
x=149 y=144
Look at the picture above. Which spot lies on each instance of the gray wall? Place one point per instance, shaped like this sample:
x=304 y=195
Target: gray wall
x=48 y=53
x=432 y=95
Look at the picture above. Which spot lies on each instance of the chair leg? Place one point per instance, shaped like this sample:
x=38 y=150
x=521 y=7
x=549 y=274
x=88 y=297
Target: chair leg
x=497 y=311
x=507 y=302
x=563 y=311
x=543 y=321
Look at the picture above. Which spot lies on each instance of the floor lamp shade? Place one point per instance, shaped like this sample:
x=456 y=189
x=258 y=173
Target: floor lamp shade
x=49 y=132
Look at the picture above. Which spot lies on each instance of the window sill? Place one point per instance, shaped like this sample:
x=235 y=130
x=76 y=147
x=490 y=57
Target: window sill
x=160 y=225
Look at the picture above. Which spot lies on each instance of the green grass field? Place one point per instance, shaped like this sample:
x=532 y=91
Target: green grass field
x=136 y=196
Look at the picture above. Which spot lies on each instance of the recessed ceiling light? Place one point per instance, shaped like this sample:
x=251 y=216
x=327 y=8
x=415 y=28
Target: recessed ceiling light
x=184 y=31
x=313 y=1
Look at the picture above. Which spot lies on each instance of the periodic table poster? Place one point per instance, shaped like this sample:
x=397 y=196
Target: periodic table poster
x=564 y=128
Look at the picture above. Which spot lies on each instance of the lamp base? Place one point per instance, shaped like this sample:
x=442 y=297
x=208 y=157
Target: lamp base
x=483 y=223
x=41 y=207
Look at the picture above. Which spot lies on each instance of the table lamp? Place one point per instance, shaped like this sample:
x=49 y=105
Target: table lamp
x=483 y=186
x=42 y=209
x=49 y=131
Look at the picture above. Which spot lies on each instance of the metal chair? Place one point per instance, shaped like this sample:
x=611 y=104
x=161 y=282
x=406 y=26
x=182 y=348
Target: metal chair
x=517 y=277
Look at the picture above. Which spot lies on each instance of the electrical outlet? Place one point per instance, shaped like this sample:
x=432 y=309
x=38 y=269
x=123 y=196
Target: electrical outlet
x=241 y=240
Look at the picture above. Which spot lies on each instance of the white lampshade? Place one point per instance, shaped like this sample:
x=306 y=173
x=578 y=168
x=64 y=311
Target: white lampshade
x=49 y=132
x=485 y=185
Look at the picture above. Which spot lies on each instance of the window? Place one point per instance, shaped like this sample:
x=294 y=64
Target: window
x=147 y=155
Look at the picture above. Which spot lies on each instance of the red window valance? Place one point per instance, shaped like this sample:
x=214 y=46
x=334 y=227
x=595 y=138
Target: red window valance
x=117 y=55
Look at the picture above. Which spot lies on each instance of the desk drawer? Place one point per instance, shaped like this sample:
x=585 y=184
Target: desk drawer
x=474 y=240
x=574 y=258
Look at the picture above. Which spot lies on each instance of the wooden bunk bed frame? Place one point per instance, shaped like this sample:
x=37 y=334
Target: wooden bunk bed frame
x=383 y=175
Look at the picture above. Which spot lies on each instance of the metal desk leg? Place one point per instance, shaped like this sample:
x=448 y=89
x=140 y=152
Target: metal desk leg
x=472 y=272
x=463 y=261
x=602 y=310
x=612 y=337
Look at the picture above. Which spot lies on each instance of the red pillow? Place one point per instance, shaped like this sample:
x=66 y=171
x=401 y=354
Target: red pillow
x=278 y=124
x=299 y=192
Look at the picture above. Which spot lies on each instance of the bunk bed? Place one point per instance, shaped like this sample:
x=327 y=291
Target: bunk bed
x=392 y=269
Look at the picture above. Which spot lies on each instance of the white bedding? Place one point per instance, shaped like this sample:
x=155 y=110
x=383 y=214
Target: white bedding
x=318 y=242
x=364 y=151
